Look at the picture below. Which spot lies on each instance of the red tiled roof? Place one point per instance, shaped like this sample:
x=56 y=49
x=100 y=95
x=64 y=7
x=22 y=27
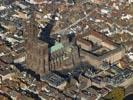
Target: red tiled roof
x=103 y=37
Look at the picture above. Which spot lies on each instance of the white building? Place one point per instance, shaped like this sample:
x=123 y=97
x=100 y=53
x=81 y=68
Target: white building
x=35 y=1
x=130 y=1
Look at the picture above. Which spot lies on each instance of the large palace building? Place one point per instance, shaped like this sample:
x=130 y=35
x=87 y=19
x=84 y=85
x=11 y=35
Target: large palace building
x=99 y=49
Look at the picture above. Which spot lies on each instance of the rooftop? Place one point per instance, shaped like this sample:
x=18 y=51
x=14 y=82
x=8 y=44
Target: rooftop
x=56 y=47
x=53 y=79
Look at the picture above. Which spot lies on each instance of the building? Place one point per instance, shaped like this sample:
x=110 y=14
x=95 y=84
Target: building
x=98 y=82
x=7 y=71
x=84 y=44
x=37 y=56
x=54 y=80
x=35 y=1
x=88 y=94
x=130 y=1
x=100 y=49
x=56 y=56
x=8 y=26
x=62 y=57
x=37 y=50
x=45 y=54
x=97 y=1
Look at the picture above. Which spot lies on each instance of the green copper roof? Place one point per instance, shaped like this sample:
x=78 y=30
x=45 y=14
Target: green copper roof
x=56 y=47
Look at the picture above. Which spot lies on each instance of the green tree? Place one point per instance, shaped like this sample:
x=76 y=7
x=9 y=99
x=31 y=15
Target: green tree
x=116 y=94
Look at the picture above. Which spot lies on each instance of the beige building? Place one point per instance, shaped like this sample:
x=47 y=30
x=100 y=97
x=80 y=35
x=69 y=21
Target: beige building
x=102 y=49
x=20 y=15
x=84 y=44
